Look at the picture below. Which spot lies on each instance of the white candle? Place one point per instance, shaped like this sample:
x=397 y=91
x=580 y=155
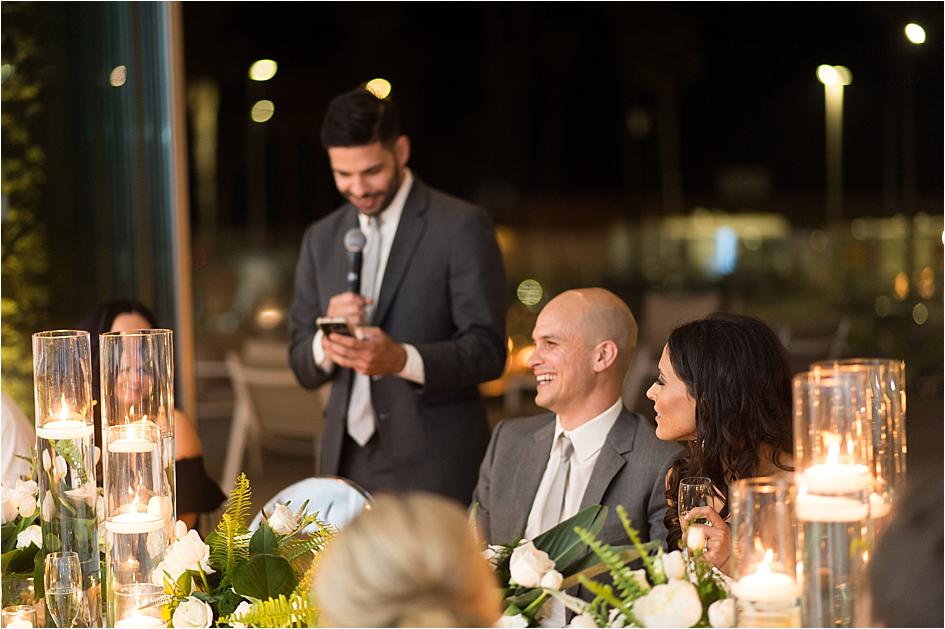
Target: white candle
x=131 y=445
x=19 y=623
x=134 y=522
x=830 y=509
x=770 y=587
x=64 y=429
x=836 y=478
x=139 y=620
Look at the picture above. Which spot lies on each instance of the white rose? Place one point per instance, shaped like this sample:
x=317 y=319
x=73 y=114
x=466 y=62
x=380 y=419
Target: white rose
x=491 y=553
x=583 y=621
x=512 y=622
x=640 y=577
x=282 y=520
x=528 y=565
x=722 y=613
x=187 y=553
x=30 y=535
x=552 y=580
x=674 y=567
x=672 y=604
x=191 y=613
x=241 y=609
x=180 y=530
x=27 y=486
x=695 y=540
x=9 y=509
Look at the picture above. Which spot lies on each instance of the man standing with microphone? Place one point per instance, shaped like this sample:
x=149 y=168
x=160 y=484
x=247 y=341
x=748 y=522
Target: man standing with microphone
x=418 y=276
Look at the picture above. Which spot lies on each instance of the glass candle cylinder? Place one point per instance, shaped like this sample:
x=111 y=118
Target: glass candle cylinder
x=885 y=413
x=136 y=505
x=832 y=454
x=19 y=616
x=138 y=605
x=65 y=447
x=763 y=553
x=137 y=375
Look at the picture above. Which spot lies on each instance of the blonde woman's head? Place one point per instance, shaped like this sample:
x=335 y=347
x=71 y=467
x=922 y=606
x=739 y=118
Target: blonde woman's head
x=411 y=561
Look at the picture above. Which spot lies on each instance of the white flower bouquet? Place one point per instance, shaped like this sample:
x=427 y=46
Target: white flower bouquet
x=531 y=571
x=241 y=578
x=675 y=589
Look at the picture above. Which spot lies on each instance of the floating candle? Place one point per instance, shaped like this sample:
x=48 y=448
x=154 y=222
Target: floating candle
x=64 y=429
x=131 y=445
x=134 y=522
x=139 y=620
x=812 y=508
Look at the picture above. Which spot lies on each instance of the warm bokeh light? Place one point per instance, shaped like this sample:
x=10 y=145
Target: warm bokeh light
x=915 y=33
x=834 y=75
x=901 y=286
x=262 y=111
x=926 y=282
x=269 y=318
x=521 y=358
x=263 y=70
x=882 y=306
x=5 y=71
x=920 y=314
x=379 y=87
x=118 y=76
x=529 y=292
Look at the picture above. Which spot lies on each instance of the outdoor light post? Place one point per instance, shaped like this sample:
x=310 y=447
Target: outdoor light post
x=834 y=79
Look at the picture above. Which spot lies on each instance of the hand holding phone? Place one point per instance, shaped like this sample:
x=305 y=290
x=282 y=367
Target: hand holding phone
x=334 y=325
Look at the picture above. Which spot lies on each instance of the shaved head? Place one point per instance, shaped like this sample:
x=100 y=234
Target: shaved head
x=599 y=315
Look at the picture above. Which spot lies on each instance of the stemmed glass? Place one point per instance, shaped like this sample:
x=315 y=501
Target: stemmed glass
x=694 y=491
x=62 y=579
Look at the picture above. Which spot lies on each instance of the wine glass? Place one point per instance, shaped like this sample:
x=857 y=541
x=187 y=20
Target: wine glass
x=694 y=491
x=63 y=581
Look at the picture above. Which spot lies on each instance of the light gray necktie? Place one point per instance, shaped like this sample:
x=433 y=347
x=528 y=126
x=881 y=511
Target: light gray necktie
x=554 y=504
x=361 y=418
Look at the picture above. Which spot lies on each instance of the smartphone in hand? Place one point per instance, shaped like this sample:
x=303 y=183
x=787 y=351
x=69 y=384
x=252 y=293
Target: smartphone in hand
x=334 y=325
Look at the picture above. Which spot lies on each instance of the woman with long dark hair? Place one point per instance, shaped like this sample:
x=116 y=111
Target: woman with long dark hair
x=724 y=388
x=198 y=493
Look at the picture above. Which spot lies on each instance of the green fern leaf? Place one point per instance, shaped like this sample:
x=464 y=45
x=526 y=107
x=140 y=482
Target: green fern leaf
x=623 y=578
x=655 y=575
x=229 y=543
x=295 y=611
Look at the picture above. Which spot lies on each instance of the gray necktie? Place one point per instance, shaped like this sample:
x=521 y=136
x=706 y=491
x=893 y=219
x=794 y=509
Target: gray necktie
x=554 y=504
x=361 y=418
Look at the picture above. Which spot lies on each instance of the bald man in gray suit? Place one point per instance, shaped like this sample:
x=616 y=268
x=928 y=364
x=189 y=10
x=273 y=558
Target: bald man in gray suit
x=590 y=449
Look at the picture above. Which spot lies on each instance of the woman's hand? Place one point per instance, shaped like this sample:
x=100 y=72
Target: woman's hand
x=718 y=544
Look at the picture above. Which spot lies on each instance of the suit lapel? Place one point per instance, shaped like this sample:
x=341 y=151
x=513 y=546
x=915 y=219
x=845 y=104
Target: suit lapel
x=409 y=231
x=532 y=464
x=611 y=459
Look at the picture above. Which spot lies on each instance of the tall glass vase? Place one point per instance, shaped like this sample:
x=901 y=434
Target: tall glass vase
x=832 y=452
x=137 y=375
x=136 y=497
x=764 y=561
x=65 y=447
x=885 y=408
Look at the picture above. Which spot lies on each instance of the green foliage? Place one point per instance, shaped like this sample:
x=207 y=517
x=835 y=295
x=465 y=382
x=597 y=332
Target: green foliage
x=23 y=257
x=606 y=594
x=229 y=543
x=264 y=576
x=563 y=546
x=295 y=611
x=263 y=540
x=299 y=550
x=628 y=586
x=656 y=575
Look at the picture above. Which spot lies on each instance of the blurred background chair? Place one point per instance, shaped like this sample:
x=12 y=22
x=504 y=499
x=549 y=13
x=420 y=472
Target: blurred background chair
x=336 y=500
x=270 y=408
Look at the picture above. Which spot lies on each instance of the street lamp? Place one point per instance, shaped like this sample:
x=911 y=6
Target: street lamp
x=834 y=79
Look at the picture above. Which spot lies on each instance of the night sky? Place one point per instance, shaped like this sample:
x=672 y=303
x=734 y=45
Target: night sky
x=513 y=102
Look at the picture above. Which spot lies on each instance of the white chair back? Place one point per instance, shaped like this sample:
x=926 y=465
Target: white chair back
x=336 y=500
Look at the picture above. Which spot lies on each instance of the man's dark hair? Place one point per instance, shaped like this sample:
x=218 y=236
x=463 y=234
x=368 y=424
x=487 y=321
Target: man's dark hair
x=359 y=117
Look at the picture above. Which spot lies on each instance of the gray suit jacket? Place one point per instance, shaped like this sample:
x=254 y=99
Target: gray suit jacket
x=443 y=292
x=630 y=471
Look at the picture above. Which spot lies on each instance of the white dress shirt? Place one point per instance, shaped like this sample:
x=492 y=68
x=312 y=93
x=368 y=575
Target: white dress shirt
x=587 y=440
x=390 y=219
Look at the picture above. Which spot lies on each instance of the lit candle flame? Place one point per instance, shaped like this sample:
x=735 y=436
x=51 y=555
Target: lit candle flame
x=832 y=441
x=765 y=566
x=64 y=411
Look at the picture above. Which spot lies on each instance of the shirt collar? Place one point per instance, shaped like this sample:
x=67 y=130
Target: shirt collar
x=391 y=214
x=589 y=437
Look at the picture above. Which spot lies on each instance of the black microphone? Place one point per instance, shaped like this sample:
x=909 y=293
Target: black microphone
x=354 y=244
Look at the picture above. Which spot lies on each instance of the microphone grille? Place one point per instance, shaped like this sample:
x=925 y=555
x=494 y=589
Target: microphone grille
x=354 y=240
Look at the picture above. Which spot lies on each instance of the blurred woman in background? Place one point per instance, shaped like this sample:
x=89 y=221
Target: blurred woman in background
x=198 y=493
x=724 y=388
x=410 y=561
